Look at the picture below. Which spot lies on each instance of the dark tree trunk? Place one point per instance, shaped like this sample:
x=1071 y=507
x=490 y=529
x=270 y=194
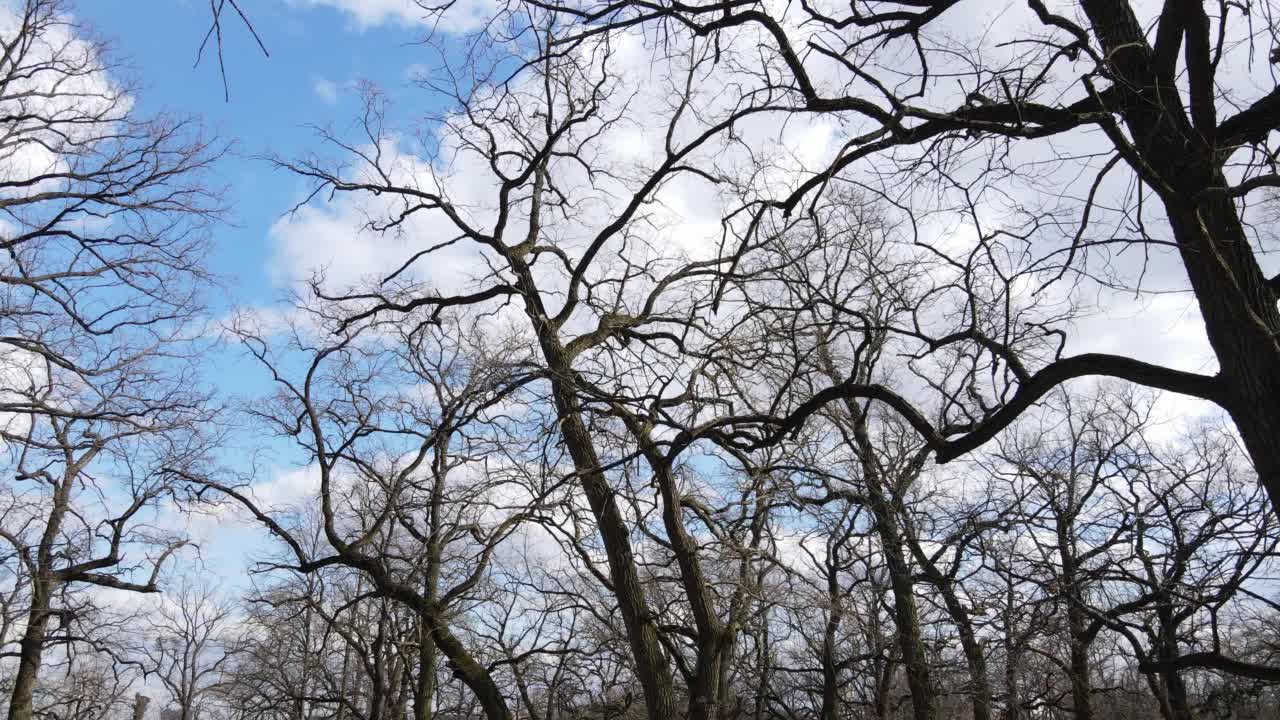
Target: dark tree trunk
x=974 y=656
x=474 y=675
x=652 y=666
x=910 y=640
x=140 y=703
x=642 y=632
x=1077 y=625
x=45 y=583
x=1183 y=153
x=1175 y=690
x=31 y=650
x=906 y=617
x=1242 y=324
x=830 y=709
x=425 y=688
x=1081 y=685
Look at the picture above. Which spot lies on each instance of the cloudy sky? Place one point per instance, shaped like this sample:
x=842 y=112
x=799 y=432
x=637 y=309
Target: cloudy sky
x=319 y=51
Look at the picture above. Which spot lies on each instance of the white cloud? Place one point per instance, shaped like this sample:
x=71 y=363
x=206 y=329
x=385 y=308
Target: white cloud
x=1163 y=329
x=369 y=13
x=326 y=90
x=52 y=125
x=333 y=236
x=332 y=240
x=288 y=490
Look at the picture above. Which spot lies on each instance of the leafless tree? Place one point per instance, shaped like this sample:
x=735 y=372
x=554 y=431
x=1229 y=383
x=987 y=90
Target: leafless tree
x=535 y=154
x=1121 y=534
x=1171 y=153
x=405 y=429
x=104 y=213
x=95 y=690
x=188 y=647
x=726 y=447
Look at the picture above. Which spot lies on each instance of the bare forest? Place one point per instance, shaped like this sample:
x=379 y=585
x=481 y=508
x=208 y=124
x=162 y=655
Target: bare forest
x=665 y=409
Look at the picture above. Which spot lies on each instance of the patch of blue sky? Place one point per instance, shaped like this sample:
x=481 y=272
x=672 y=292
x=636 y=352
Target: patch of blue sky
x=318 y=54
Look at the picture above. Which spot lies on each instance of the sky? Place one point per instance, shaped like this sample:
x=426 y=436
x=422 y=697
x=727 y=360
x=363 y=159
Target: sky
x=319 y=51
x=317 y=54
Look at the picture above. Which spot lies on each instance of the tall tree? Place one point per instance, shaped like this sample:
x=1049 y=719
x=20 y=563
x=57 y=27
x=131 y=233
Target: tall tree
x=103 y=240
x=189 y=648
x=1143 y=104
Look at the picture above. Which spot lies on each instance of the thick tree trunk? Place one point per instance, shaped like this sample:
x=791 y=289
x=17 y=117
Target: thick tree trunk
x=31 y=650
x=378 y=679
x=980 y=695
x=1081 y=684
x=425 y=688
x=975 y=658
x=764 y=661
x=1242 y=323
x=884 y=688
x=1013 y=693
x=730 y=703
x=344 y=686
x=1238 y=305
x=704 y=691
x=902 y=585
x=652 y=666
x=1077 y=623
x=45 y=584
x=910 y=640
x=883 y=506
x=1158 y=691
x=1175 y=690
x=713 y=638
x=830 y=709
x=1012 y=656
x=474 y=675
x=304 y=683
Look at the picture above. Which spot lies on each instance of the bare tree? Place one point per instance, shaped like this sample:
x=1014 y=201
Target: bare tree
x=1120 y=534
x=570 y=360
x=1145 y=93
x=281 y=669
x=103 y=242
x=189 y=647
x=1073 y=526
x=412 y=493
x=90 y=689
x=727 y=446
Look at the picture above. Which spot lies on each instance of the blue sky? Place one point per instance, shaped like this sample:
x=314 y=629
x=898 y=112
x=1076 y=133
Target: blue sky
x=317 y=53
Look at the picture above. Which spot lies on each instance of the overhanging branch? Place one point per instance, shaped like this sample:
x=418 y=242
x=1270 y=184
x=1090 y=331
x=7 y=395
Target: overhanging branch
x=1029 y=392
x=1252 y=124
x=1214 y=661
x=1090 y=364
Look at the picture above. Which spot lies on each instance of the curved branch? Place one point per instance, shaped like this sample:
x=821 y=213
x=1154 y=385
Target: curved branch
x=1214 y=661
x=1090 y=364
x=1253 y=124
